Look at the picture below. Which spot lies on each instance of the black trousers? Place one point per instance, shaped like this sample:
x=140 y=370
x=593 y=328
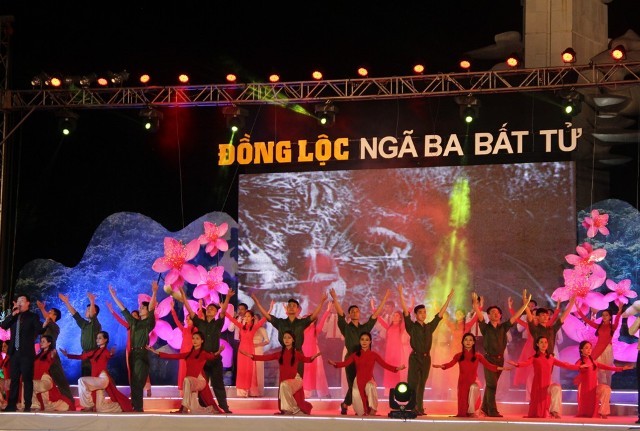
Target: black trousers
x=21 y=365
x=213 y=371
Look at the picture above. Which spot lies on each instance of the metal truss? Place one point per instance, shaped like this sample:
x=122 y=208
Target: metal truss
x=418 y=86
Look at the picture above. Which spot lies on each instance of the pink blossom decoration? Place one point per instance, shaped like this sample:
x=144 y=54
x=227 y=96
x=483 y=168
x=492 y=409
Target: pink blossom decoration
x=585 y=262
x=212 y=238
x=580 y=286
x=578 y=332
x=5 y=335
x=596 y=223
x=620 y=291
x=210 y=284
x=176 y=256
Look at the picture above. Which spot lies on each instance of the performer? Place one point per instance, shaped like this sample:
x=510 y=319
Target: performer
x=315 y=378
x=91 y=388
x=244 y=367
x=593 y=396
x=186 y=330
x=351 y=332
x=396 y=351
x=4 y=380
x=194 y=384
x=603 y=350
x=290 y=395
x=89 y=326
x=138 y=356
x=365 y=389
x=56 y=372
x=260 y=340
x=546 y=397
x=292 y=322
x=46 y=395
x=421 y=337
x=468 y=389
x=211 y=328
x=24 y=326
x=495 y=343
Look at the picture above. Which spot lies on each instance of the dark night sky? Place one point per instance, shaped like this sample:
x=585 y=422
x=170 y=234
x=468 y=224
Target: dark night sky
x=67 y=187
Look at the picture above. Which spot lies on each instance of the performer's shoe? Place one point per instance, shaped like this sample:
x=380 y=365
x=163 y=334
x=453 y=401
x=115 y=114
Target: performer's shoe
x=604 y=416
x=554 y=415
x=181 y=410
x=227 y=411
x=343 y=409
x=14 y=409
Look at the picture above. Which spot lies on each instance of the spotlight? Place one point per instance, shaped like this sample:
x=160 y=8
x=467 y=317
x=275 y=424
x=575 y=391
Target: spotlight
x=571 y=103
x=513 y=61
x=86 y=81
x=151 y=119
x=67 y=122
x=363 y=71
x=618 y=53
x=235 y=117
x=568 y=56
x=419 y=69
x=469 y=108
x=317 y=75
x=326 y=114
x=118 y=78
x=402 y=401
x=183 y=78
x=145 y=79
x=231 y=77
x=274 y=77
x=465 y=64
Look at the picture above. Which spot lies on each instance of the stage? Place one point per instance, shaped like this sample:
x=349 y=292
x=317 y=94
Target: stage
x=258 y=414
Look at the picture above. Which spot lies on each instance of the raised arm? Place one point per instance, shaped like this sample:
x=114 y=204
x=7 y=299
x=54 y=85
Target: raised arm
x=92 y=303
x=43 y=310
x=119 y=303
x=526 y=298
x=183 y=294
x=567 y=310
x=381 y=306
x=403 y=304
x=65 y=301
x=262 y=310
x=446 y=304
x=475 y=302
x=154 y=296
x=225 y=303
x=336 y=303
x=117 y=316
x=315 y=313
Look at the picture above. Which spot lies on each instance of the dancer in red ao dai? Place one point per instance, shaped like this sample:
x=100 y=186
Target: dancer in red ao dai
x=593 y=397
x=291 y=395
x=365 y=389
x=546 y=398
x=468 y=388
x=91 y=388
x=194 y=385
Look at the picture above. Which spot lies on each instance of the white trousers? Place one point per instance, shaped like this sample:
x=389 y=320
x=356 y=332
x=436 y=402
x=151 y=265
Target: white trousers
x=287 y=389
x=87 y=385
x=43 y=387
x=371 y=392
x=474 y=396
x=555 y=393
x=190 y=388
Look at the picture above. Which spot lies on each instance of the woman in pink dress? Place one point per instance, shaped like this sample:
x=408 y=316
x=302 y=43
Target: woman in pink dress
x=245 y=377
x=468 y=388
x=397 y=350
x=365 y=389
x=315 y=379
x=593 y=397
x=603 y=350
x=545 y=396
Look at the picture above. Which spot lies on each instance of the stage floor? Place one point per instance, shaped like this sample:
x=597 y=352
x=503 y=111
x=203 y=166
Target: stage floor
x=258 y=414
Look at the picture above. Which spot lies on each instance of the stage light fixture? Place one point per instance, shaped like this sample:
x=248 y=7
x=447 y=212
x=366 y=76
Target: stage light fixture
x=54 y=81
x=231 y=77
x=568 y=56
x=145 y=79
x=86 y=81
x=274 y=77
x=513 y=61
x=118 y=79
x=465 y=64
x=151 y=119
x=363 y=72
x=402 y=402
x=235 y=117
x=317 y=75
x=618 y=53
x=183 y=78
x=571 y=103
x=326 y=114
x=67 y=122
x=418 y=69
x=40 y=80
x=469 y=108
x=102 y=81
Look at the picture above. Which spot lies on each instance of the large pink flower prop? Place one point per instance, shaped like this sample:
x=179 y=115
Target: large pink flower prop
x=578 y=332
x=212 y=238
x=620 y=291
x=176 y=256
x=596 y=223
x=5 y=335
x=581 y=286
x=210 y=284
x=162 y=329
